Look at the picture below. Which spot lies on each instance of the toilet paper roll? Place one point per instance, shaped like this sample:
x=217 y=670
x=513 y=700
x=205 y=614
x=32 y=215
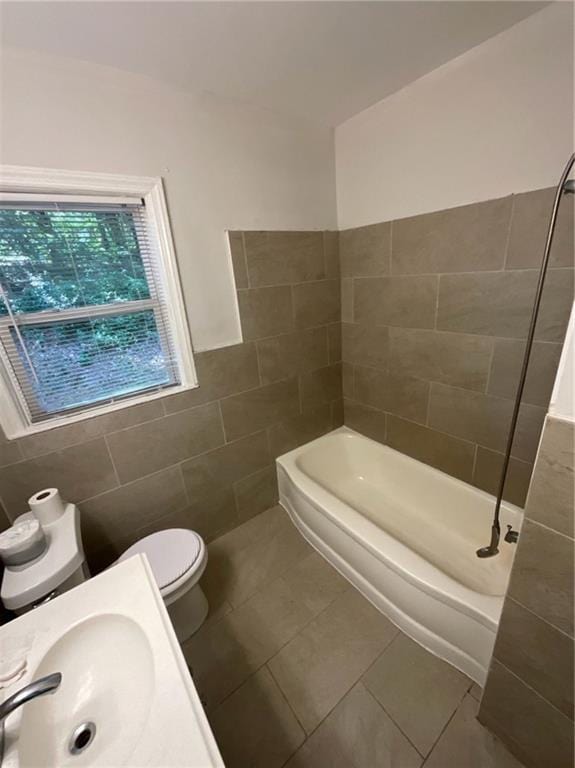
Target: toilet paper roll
x=47 y=505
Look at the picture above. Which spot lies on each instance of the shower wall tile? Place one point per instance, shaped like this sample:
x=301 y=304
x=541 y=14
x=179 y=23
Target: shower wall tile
x=259 y=408
x=441 y=451
x=529 y=225
x=466 y=239
x=506 y=367
x=10 y=451
x=484 y=419
x=401 y=395
x=331 y=254
x=454 y=312
x=542 y=575
x=408 y=301
x=265 y=312
x=365 y=345
x=347 y=300
x=368 y=421
x=365 y=251
x=334 y=343
x=283 y=356
x=320 y=386
x=539 y=654
x=500 y=303
x=317 y=303
x=256 y=493
x=290 y=433
x=551 y=496
x=487 y=474
x=282 y=258
x=452 y=358
x=532 y=728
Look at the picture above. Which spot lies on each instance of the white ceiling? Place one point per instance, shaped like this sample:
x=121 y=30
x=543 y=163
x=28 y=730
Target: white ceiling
x=323 y=61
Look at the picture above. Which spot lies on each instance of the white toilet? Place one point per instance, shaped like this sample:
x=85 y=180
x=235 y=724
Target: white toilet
x=41 y=561
x=178 y=558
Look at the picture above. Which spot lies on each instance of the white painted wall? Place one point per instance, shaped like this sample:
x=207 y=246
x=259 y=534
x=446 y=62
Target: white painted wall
x=497 y=119
x=225 y=165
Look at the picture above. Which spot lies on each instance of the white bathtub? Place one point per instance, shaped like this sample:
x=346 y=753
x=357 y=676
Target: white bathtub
x=405 y=535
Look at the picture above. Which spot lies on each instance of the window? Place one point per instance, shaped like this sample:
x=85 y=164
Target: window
x=89 y=316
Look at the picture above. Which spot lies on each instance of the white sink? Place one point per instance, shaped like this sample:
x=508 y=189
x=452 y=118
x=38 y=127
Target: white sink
x=126 y=696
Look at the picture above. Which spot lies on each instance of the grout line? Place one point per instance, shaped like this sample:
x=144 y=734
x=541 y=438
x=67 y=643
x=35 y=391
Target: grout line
x=490 y=366
x=287 y=701
x=117 y=476
x=390 y=247
x=245 y=258
x=548 y=528
x=508 y=236
x=537 y=616
x=475 y=452
x=186 y=493
x=436 y=315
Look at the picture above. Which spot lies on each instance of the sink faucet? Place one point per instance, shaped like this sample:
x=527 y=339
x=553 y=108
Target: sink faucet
x=37 y=688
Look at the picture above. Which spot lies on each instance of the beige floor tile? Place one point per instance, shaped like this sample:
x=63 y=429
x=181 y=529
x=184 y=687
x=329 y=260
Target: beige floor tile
x=465 y=743
x=357 y=734
x=241 y=564
x=224 y=653
x=418 y=690
x=476 y=691
x=320 y=664
x=255 y=727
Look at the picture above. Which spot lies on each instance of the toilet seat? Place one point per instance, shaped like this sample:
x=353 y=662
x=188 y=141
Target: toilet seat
x=177 y=558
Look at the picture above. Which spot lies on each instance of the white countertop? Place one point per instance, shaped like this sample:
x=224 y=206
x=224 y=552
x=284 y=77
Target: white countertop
x=176 y=731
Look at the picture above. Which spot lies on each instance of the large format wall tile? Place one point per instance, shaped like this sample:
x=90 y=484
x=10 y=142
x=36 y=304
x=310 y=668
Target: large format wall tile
x=551 y=497
x=406 y=301
x=221 y=372
x=529 y=225
x=236 y=242
x=211 y=471
x=144 y=449
x=451 y=358
x=506 y=367
x=484 y=419
x=281 y=258
x=465 y=239
x=539 y=654
x=368 y=421
x=299 y=429
x=365 y=251
x=401 y=395
x=540 y=735
x=365 y=345
x=447 y=453
x=259 y=408
x=79 y=472
x=320 y=387
x=283 y=356
x=487 y=475
x=316 y=303
x=265 y=312
x=542 y=575
x=500 y=303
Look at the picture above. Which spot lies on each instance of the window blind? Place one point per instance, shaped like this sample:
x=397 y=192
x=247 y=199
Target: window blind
x=83 y=317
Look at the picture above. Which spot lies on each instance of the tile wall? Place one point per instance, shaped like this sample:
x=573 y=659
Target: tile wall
x=528 y=699
x=435 y=311
x=204 y=459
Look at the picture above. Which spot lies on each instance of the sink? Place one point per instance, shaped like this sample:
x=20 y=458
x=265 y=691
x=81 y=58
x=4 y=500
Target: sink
x=107 y=680
x=126 y=697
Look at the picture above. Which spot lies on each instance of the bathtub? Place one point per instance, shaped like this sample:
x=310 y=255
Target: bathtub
x=405 y=535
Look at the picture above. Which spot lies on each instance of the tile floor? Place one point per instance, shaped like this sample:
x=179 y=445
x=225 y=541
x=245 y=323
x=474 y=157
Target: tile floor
x=297 y=669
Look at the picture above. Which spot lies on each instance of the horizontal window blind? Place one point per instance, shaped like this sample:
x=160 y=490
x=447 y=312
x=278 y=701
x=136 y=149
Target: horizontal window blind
x=83 y=316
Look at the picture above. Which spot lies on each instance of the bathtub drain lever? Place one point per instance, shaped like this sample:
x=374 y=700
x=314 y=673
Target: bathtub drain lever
x=511 y=536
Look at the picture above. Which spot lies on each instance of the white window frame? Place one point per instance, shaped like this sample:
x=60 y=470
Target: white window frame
x=49 y=182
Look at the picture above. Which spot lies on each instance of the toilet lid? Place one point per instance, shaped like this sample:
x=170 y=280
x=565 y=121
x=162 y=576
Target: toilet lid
x=171 y=553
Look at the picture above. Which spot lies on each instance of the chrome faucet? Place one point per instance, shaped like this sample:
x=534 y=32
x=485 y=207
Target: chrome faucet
x=44 y=685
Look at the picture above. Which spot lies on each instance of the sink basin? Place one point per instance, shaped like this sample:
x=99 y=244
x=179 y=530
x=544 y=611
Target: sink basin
x=107 y=671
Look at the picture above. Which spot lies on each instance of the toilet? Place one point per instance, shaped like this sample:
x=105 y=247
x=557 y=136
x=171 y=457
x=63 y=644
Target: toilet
x=178 y=558
x=41 y=561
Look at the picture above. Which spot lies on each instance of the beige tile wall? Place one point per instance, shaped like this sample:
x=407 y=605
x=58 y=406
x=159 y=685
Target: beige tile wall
x=435 y=310
x=204 y=458
x=528 y=699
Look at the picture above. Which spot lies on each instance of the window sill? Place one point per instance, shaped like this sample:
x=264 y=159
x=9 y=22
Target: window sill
x=34 y=429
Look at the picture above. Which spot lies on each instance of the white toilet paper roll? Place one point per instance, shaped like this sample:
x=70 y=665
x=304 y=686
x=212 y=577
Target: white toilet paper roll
x=46 y=505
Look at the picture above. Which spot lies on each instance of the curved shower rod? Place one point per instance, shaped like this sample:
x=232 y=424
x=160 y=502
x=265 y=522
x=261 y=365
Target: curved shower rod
x=565 y=185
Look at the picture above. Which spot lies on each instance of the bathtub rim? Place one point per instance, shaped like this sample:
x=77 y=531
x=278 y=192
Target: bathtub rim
x=396 y=555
